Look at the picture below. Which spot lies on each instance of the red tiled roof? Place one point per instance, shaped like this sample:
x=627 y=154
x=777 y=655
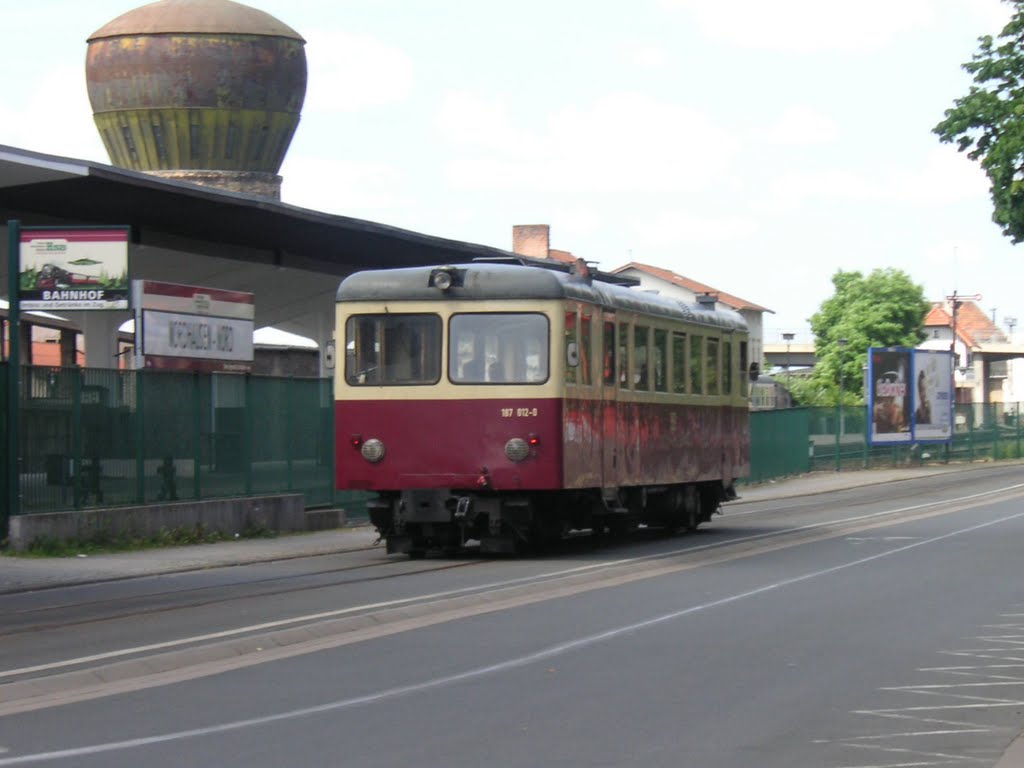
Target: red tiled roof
x=973 y=326
x=728 y=299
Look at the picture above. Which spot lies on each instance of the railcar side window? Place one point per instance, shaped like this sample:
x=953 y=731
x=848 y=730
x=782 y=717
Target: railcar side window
x=711 y=369
x=609 y=354
x=624 y=355
x=392 y=350
x=640 y=373
x=498 y=348
x=660 y=360
x=571 y=348
x=679 y=363
x=696 y=365
x=727 y=368
x=586 y=338
x=743 y=369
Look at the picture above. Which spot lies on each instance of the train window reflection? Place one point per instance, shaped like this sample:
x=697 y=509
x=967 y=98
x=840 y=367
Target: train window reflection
x=392 y=350
x=498 y=348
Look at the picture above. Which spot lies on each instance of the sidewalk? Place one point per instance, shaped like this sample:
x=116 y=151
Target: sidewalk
x=21 y=574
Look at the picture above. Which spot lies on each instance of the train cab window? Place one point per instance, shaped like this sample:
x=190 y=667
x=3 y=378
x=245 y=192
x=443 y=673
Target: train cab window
x=498 y=348
x=696 y=365
x=679 y=363
x=608 y=373
x=711 y=368
x=659 y=360
x=624 y=355
x=727 y=372
x=392 y=350
x=586 y=339
x=641 y=374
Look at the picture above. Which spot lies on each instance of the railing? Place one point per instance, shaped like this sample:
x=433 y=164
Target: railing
x=93 y=437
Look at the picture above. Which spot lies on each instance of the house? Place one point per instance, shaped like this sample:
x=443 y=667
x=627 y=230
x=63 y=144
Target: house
x=983 y=352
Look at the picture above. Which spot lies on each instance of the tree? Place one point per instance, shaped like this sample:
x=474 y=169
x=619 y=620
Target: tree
x=884 y=309
x=988 y=123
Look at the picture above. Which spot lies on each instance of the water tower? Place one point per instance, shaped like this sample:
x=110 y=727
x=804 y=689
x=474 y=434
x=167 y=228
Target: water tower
x=205 y=91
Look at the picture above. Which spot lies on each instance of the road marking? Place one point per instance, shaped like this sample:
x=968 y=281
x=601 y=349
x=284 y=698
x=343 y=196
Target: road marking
x=540 y=578
x=542 y=655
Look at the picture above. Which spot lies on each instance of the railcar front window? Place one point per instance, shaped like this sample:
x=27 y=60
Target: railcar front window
x=498 y=348
x=392 y=350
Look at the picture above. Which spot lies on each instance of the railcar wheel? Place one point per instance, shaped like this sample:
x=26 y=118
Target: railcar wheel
x=417 y=554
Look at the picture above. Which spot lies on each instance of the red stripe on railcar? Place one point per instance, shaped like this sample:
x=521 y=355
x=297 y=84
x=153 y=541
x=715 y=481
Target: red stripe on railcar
x=447 y=443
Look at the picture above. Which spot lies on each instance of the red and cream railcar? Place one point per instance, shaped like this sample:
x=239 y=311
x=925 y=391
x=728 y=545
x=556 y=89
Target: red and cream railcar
x=508 y=404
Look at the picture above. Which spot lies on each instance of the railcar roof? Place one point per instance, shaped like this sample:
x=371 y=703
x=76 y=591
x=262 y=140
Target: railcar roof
x=490 y=282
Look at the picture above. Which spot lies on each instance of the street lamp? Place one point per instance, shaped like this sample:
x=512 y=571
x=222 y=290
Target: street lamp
x=788 y=337
x=839 y=409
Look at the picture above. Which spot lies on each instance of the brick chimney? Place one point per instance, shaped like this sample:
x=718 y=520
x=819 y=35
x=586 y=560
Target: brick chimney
x=533 y=240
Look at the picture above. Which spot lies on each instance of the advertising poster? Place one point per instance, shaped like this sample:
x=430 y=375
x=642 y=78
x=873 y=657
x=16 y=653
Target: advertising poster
x=73 y=269
x=890 y=395
x=933 y=395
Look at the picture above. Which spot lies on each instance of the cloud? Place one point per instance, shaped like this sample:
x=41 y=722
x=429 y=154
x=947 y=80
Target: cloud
x=802 y=125
x=349 y=73
x=645 y=56
x=55 y=117
x=805 y=26
x=675 y=229
x=943 y=177
x=346 y=188
x=623 y=142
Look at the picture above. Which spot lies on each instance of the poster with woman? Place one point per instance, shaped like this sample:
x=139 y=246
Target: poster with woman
x=933 y=396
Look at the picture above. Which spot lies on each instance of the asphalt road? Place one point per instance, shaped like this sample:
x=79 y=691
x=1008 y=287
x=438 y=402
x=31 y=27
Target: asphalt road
x=881 y=626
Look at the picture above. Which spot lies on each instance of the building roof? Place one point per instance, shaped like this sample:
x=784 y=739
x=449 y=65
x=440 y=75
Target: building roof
x=44 y=189
x=734 y=302
x=973 y=327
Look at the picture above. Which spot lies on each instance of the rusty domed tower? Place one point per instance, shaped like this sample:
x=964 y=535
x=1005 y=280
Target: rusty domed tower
x=207 y=91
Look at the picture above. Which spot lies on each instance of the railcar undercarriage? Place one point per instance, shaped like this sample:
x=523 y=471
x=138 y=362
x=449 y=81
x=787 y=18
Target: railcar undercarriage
x=451 y=520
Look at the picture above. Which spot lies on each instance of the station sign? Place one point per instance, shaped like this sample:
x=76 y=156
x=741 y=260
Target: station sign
x=191 y=328
x=73 y=269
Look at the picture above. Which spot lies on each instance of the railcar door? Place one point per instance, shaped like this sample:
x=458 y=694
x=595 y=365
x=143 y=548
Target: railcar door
x=609 y=401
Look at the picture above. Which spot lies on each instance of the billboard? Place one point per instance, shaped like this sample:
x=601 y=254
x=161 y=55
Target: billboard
x=189 y=328
x=933 y=395
x=910 y=396
x=84 y=268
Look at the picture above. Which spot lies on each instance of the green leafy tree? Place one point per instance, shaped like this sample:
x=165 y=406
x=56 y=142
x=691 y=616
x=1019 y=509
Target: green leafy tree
x=884 y=309
x=988 y=123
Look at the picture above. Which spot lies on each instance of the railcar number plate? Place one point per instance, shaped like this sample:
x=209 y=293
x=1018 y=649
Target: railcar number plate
x=508 y=413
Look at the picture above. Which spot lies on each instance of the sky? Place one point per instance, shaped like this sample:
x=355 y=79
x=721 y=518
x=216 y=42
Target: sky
x=758 y=147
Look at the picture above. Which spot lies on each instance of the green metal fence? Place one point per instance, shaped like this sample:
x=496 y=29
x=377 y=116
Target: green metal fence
x=779 y=444
x=836 y=439
x=92 y=437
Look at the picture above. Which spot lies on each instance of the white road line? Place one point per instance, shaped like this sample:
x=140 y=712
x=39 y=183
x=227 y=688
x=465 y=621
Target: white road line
x=485 y=587
x=504 y=666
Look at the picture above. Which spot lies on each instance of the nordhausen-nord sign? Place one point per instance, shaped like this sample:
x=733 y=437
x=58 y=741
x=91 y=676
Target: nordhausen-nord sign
x=185 y=327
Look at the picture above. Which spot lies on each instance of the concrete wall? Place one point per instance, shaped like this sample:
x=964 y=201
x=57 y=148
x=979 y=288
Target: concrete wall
x=282 y=512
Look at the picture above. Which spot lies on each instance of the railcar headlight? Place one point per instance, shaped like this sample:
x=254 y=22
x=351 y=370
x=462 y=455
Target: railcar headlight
x=517 y=449
x=372 y=450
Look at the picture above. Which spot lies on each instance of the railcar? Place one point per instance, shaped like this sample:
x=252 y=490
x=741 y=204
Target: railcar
x=506 y=405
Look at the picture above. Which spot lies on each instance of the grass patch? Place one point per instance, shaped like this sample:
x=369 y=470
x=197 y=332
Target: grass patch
x=107 y=542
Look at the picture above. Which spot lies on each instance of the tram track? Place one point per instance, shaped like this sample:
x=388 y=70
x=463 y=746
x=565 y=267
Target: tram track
x=119 y=608
x=158 y=664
